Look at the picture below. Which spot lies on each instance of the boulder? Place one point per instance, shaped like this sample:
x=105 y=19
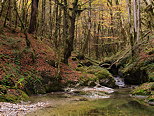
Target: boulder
x=105 y=78
x=136 y=77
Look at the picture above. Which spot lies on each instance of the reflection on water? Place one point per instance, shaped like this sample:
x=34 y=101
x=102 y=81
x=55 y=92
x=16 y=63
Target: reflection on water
x=120 y=104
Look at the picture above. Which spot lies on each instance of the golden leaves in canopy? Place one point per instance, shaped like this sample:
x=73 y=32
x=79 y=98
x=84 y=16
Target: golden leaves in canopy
x=101 y=11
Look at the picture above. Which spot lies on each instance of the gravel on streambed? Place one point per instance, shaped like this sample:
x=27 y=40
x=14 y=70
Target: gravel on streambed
x=10 y=109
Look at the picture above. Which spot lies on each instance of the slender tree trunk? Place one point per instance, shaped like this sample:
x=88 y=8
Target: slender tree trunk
x=23 y=11
x=43 y=17
x=96 y=33
x=7 y=14
x=2 y=7
x=56 y=25
x=10 y=13
x=50 y=18
x=86 y=43
x=138 y=20
x=135 y=18
x=28 y=44
x=130 y=26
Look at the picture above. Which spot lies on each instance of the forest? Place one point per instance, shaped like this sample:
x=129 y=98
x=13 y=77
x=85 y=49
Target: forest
x=76 y=57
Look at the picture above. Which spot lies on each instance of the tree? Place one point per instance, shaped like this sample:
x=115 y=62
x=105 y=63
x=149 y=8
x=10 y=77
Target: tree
x=70 y=15
x=68 y=48
x=89 y=31
x=33 y=20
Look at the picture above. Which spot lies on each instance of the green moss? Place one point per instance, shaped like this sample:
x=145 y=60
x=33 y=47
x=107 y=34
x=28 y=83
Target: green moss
x=103 y=73
x=3 y=89
x=94 y=69
x=11 y=98
x=151 y=98
x=105 y=78
x=14 y=96
x=144 y=89
x=82 y=68
x=88 y=80
x=23 y=95
x=151 y=76
x=139 y=70
x=11 y=42
x=96 y=74
x=150 y=70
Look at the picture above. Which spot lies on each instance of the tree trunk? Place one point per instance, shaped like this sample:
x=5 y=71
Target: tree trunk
x=86 y=43
x=68 y=48
x=28 y=44
x=33 y=20
x=43 y=17
x=2 y=7
x=50 y=18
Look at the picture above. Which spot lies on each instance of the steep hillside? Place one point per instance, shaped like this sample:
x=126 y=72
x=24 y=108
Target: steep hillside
x=32 y=70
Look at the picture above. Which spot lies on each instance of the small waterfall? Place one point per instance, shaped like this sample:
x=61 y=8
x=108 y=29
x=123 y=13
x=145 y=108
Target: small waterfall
x=119 y=81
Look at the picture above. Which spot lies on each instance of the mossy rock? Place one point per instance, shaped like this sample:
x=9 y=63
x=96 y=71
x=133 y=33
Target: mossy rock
x=88 y=80
x=103 y=73
x=105 y=78
x=97 y=75
x=90 y=70
x=135 y=75
x=139 y=71
x=144 y=89
x=42 y=82
x=94 y=69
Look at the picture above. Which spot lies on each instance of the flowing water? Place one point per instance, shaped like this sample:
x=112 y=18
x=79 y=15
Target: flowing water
x=119 y=104
x=119 y=81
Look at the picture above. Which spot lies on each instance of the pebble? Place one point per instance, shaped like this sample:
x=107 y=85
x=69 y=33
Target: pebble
x=10 y=109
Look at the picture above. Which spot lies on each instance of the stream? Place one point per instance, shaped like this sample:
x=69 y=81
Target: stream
x=119 y=104
x=100 y=101
x=95 y=101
